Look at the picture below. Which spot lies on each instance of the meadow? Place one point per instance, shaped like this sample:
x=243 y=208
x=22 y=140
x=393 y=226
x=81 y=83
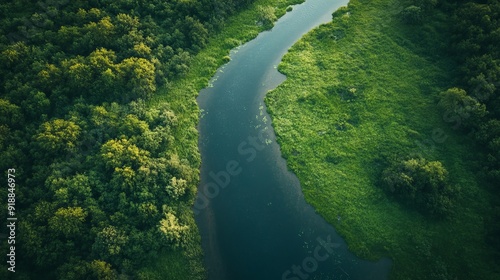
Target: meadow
x=360 y=92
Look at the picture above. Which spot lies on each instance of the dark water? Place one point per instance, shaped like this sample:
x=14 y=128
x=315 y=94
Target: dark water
x=254 y=221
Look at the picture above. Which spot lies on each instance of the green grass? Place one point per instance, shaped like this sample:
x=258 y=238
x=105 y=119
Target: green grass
x=181 y=97
x=170 y=265
x=363 y=89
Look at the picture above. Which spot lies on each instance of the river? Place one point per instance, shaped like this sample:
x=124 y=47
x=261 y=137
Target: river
x=253 y=218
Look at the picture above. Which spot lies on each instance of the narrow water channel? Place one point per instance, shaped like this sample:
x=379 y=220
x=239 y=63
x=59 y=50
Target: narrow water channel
x=254 y=221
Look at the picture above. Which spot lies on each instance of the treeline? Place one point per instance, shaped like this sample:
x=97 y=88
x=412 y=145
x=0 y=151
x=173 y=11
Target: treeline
x=476 y=108
x=103 y=186
x=471 y=106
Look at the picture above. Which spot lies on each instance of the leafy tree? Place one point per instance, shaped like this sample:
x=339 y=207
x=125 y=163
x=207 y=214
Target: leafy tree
x=172 y=230
x=35 y=105
x=176 y=188
x=109 y=242
x=119 y=154
x=267 y=16
x=179 y=64
x=10 y=114
x=58 y=135
x=102 y=270
x=72 y=191
x=68 y=221
x=198 y=34
x=139 y=76
x=456 y=101
x=421 y=183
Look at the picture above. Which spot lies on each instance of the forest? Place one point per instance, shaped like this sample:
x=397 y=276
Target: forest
x=104 y=185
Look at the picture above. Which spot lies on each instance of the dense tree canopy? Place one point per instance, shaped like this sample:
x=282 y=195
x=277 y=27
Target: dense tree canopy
x=476 y=41
x=104 y=188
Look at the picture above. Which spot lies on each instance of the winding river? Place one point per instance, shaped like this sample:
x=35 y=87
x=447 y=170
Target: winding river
x=254 y=221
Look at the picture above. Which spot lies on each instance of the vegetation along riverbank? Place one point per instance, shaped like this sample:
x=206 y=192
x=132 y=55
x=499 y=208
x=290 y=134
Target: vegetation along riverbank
x=389 y=117
x=98 y=119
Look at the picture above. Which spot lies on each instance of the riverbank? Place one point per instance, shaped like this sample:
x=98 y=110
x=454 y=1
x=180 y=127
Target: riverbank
x=181 y=96
x=358 y=91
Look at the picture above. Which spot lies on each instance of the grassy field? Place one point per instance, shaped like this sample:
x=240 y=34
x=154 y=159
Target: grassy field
x=361 y=90
x=181 y=96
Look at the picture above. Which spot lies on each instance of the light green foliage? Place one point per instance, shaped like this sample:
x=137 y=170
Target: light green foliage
x=109 y=242
x=102 y=270
x=176 y=188
x=172 y=230
x=67 y=221
x=118 y=154
x=266 y=15
x=58 y=135
x=73 y=191
x=139 y=74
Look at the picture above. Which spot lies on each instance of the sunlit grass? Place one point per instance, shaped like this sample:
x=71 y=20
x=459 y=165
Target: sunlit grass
x=359 y=91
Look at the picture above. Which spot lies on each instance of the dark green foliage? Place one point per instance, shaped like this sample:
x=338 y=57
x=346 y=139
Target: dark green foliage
x=476 y=36
x=476 y=41
x=421 y=183
x=426 y=5
x=412 y=15
x=461 y=108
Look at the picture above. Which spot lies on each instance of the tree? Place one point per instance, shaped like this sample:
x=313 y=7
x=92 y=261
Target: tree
x=172 y=230
x=58 y=135
x=412 y=15
x=10 y=114
x=198 y=34
x=122 y=153
x=36 y=105
x=68 y=221
x=267 y=16
x=109 y=243
x=420 y=183
x=456 y=102
x=179 y=64
x=138 y=75
x=98 y=34
x=102 y=270
x=176 y=188
x=72 y=191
